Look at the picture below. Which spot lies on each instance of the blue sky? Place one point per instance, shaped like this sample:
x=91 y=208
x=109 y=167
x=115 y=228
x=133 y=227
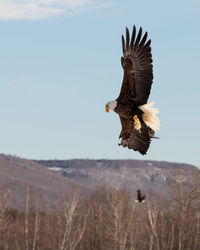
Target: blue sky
x=60 y=64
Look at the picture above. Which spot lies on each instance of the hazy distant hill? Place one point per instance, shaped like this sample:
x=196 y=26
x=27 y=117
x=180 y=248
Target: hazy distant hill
x=119 y=173
x=16 y=173
x=52 y=178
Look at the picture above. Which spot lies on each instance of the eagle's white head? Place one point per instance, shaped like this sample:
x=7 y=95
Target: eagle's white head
x=111 y=105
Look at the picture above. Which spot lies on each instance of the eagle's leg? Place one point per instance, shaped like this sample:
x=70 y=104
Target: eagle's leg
x=137 y=123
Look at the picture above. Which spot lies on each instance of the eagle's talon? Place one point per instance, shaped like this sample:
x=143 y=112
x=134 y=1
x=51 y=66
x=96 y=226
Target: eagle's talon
x=137 y=123
x=135 y=117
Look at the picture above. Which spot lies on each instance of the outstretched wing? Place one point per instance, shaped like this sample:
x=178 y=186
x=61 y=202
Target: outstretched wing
x=131 y=137
x=137 y=65
x=140 y=141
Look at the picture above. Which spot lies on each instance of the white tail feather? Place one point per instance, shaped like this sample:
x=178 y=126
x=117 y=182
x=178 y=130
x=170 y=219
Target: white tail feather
x=149 y=116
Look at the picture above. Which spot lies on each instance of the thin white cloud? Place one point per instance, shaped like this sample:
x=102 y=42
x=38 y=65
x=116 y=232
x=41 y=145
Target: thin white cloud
x=42 y=9
x=15 y=82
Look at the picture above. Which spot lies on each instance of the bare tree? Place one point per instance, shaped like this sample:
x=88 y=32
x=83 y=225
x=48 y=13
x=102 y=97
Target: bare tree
x=5 y=199
x=36 y=224
x=73 y=232
x=184 y=198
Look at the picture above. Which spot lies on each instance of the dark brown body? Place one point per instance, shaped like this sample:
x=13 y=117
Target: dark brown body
x=140 y=197
x=127 y=108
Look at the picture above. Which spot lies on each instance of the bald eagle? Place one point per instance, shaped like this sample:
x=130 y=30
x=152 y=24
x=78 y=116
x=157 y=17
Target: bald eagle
x=138 y=118
x=140 y=197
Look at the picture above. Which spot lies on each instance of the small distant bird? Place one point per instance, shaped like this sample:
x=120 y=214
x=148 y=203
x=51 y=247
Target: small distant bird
x=138 y=118
x=140 y=197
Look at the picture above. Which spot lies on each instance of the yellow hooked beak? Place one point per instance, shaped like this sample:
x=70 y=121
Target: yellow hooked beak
x=107 y=109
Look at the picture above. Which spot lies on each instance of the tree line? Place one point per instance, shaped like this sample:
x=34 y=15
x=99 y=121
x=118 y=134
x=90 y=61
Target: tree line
x=105 y=219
